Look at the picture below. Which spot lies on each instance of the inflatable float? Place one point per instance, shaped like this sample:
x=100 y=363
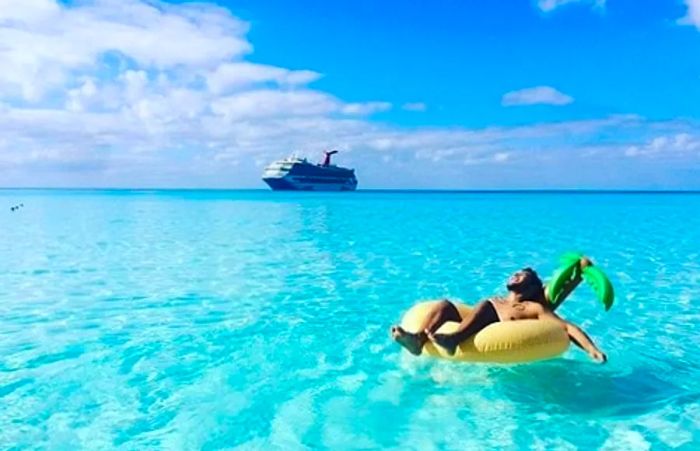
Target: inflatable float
x=515 y=341
x=569 y=269
x=508 y=342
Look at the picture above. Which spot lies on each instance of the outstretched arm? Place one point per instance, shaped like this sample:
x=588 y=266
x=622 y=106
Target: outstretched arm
x=578 y=336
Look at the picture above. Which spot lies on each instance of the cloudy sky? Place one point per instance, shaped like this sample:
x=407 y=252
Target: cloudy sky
x=421 y=94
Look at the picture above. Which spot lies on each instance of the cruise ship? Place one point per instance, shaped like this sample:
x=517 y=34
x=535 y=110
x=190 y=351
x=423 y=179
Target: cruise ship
x=298 y=174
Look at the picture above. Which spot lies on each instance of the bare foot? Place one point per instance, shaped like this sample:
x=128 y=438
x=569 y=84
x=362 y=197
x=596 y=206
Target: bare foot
x=412 y=342
x=447 y=341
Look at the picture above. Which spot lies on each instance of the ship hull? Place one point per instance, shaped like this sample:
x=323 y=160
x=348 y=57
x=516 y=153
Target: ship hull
x=287 y=184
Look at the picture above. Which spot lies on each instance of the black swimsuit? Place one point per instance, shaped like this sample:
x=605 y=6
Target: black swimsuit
x=490 y=314
x=485 y=316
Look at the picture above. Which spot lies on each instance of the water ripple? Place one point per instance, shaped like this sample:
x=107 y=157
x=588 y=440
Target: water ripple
x=256 y=321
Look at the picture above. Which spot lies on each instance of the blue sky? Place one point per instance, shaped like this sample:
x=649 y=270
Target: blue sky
x=449 y=94
x=460 y=57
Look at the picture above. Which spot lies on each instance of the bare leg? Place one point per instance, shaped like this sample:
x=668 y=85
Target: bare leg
x=482 y=315
x=442 y=312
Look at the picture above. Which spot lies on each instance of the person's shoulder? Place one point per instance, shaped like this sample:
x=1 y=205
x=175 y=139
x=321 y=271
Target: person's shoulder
x=535 y=306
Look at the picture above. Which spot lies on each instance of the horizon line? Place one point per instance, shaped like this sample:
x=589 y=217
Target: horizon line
x=385 y=190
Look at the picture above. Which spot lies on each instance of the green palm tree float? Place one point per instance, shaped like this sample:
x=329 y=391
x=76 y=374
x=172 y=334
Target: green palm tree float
x=570 y=269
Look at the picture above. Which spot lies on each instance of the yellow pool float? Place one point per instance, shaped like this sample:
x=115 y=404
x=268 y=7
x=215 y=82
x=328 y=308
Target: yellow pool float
x=507 y=342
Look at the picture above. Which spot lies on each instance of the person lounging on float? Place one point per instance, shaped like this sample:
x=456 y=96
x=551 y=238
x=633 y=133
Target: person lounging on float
x=526 y=299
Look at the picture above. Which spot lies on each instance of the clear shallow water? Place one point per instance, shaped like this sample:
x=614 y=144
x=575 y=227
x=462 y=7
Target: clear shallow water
x=250 y=320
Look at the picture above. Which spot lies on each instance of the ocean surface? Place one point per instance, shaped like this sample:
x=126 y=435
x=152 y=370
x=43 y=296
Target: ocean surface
x=259 y=320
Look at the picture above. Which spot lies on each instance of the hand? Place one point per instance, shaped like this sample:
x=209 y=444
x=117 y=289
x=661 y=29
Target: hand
x=585 y=261
x=598 y=356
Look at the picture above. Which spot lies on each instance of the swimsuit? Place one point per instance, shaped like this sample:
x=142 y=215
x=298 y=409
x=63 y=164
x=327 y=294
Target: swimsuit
x=489 y=314
x=486 y=316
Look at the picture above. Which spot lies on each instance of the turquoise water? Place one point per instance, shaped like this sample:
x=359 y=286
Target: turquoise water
x=259 y=320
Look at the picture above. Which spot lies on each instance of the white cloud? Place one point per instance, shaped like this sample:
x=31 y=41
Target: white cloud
x=230 y=76
x=551 y=5
x=272 y=103
x=496 y=158
x=28 y=11
x=667 y=146
x=45 y=43
x=363 y=109
x=501 y=157
x=693 y=15
x=166 y=98
x=78 y=98
x=415 y=106
x=544 y=95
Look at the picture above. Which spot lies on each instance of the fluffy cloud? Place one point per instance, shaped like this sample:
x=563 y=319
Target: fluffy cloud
x=693 y=15
x=272 y=103
x=238 y=75
x=132 y=92
x=680 y=144
x=366 y=108
x=539 y=95
x=142 y=76
x=551 y=5
x=45 y=43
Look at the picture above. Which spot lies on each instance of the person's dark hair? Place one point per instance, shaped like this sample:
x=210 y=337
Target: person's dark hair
x=531 y=288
